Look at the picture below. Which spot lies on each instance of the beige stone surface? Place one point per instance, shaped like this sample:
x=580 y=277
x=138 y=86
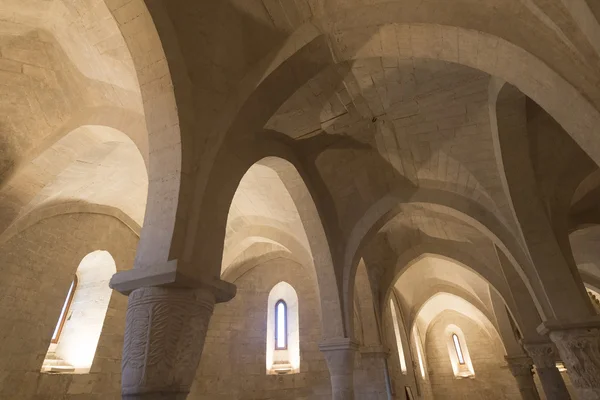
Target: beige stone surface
x=442 y=156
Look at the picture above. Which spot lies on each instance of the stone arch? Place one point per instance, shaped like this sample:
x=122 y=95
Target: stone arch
x=126 y=121
x=56 y=209
x=267 y=231
x=520 y=305
x=440 y=302
x=443 y=36
x=237 y=271
x=61 y=172
x=455 y=205
x=443 y=42
x=459 y=258
x=169 y=151
x=277 y=156
x=486 y=52
x=563 y=285
x=461 y=255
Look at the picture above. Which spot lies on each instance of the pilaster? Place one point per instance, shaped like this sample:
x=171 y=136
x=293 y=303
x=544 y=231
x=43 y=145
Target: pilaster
x=339 y=354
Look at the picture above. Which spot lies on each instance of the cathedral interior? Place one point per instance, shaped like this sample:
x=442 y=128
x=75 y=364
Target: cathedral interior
x=299 y=199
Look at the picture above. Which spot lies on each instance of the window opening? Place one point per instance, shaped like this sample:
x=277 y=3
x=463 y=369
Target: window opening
x=281 y=325
x=459 y=353
x=64 y=312
x=398 y=337
x=419 y=354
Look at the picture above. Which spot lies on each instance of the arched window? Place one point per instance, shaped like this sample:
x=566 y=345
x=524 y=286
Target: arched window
x=65 y=311
x=283 y=331
x=76 y=335
x=281 y=325
x=459 y=353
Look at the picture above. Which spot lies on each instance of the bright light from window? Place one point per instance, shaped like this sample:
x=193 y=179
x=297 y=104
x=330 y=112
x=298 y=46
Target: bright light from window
x=398 y=337
x=62 y=313
x=459 y=353
x=281 y=325
x=419 y=355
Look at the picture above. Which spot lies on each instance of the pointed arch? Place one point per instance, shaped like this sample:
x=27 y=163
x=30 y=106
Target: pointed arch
x=562 y=288
x=76 y=336
x=279 y=164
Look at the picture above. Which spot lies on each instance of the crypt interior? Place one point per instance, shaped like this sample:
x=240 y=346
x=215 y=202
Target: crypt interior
x=299 y=199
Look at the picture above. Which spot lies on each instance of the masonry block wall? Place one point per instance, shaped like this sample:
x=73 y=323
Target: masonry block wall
x=492 y=379
x=233 y=365
x=37 y=267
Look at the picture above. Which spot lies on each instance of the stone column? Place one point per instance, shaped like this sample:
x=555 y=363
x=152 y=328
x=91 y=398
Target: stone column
x=579 y=349
x=339 y=354
x=165 y=330
x=372 y=377
x=521 y=367
x=545 y=355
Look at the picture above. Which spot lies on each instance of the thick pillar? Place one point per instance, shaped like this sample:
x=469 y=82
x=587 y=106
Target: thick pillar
x=371 y=378
x=165 y=330
x=579 y=348
x=339 y=354
x=521 y=368
x=544 y=357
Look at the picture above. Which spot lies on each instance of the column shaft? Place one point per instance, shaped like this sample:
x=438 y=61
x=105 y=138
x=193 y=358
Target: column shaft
x=521 y=368
x=579 y=349
x=544 y=357
x=339 y=355
x=164 y=337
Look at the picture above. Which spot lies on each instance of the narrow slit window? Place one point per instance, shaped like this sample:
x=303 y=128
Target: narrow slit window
x=398 y=337
x=459 y=353
x=64 y=312
x=280 y=325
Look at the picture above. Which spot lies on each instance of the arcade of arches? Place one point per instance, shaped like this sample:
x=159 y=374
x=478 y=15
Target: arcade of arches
x=299 y=199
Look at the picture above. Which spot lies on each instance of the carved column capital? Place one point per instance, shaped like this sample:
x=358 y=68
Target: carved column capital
x=521 y=368
x=580 y=352
x=543 y=354
x=520 y=365
x=164 y=338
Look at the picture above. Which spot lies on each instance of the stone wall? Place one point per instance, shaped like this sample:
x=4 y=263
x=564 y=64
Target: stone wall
x=37 y=267
x=492 y=378
x=233 y=365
